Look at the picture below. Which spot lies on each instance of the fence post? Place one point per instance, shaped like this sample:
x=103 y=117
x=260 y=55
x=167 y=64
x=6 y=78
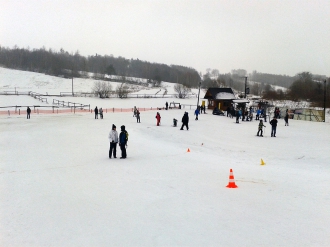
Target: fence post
x=113 y=109
x=53 y=108
x=74 y=108
x=19 y=111
x=8 y=112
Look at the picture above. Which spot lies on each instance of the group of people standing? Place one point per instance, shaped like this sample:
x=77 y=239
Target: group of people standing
x=97 y=112
x=114 y=139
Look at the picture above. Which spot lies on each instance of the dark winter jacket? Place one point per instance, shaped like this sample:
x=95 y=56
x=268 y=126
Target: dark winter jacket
x=185 y=118
x=123 y=136
x=273 y=122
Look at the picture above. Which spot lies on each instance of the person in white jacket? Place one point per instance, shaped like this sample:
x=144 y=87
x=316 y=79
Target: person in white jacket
x=113 y=138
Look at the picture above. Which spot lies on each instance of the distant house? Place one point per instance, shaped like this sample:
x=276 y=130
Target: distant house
x=219 y=96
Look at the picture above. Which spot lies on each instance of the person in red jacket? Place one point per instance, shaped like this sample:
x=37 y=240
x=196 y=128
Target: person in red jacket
x=158 y=118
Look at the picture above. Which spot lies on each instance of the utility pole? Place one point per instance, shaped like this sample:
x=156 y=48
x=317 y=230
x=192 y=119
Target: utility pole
x=325 y=98
x=245 y=87
x=199 y=89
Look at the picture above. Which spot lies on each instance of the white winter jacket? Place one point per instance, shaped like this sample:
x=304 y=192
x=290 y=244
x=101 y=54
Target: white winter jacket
x=113 y=136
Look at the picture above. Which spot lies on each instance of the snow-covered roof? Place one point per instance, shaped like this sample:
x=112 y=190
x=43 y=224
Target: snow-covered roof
x=224 y=95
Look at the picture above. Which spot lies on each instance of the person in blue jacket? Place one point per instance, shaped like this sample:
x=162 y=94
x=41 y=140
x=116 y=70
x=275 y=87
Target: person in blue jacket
x=123 y=138
x=196 y=113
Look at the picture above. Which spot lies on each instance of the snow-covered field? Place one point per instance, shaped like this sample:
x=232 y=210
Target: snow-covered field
x=59 y=188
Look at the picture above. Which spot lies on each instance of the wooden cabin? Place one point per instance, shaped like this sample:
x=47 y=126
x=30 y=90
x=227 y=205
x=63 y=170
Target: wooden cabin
x=219 y=96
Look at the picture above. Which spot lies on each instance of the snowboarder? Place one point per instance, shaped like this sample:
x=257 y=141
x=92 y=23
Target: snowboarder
x=96 y=111
x=123 y=138
x=28 y=112
x=185 y=121
x=158 y=118
x=137 y=116
x=274 y=125
x=113 y=138
x=261 y=124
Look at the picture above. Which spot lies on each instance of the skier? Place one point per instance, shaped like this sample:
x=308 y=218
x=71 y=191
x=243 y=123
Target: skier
x=123 y=138
x=137 y=116
x=185 y=121
x=274 y=125
x=96 y=113
x=113 y=138
x=261 y=124
x=28 y=112
x=196 y=113
x=158 y=118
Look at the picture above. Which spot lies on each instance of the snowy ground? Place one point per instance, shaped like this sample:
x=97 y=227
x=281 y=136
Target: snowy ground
x=59 y=188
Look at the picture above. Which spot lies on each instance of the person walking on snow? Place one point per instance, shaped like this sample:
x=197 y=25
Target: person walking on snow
x=28 y=112
x=196 y=113
x=96 y=113
x=185 y=121
x=286 y=118
x=158 y=118
x=101 y=113
x=261 y=124
x=137 y=116
x=274 y=125
x=123 y=137
x=166 y=105
x=113 y=138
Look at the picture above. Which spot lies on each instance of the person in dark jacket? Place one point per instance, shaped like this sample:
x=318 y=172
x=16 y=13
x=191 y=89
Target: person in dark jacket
x=185 y=121
x=28 y=112
x=137 y=116
x=96 y=111
x=123 y=137
x=166 y=105
x=274 y=125
x=286 y=118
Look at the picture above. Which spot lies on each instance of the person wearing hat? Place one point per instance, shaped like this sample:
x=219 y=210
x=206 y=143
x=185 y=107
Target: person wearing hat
x=113 y=138
x=274 y=125
x=123 y=137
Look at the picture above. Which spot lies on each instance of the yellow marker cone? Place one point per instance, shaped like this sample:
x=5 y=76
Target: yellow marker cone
x=262 y=162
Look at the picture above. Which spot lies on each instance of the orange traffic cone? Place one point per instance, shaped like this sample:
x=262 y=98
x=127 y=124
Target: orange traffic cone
x=188 y=150
x=231 y=183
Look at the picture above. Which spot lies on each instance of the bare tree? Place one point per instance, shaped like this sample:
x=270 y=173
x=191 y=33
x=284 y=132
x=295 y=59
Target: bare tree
x=181 y=90
x=123 y=90
x=102 y=89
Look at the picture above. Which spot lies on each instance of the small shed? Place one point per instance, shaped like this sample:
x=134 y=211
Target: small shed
x=222 y=96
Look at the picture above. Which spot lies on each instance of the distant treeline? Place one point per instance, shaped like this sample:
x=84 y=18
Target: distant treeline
x=62 y=63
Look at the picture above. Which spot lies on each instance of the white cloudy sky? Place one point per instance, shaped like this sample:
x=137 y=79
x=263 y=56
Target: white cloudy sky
x=275 y=36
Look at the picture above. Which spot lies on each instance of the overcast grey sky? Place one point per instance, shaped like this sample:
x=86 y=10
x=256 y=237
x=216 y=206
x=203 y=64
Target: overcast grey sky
x=270 y=36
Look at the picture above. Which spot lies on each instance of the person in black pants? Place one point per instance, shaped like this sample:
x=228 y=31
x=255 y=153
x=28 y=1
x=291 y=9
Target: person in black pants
x=123 y=137
x=185 y=121
x=113 y=138
x=274 y=125
x=28 y=111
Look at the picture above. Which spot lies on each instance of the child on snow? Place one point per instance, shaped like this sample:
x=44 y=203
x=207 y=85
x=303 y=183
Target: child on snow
x=261 y=124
